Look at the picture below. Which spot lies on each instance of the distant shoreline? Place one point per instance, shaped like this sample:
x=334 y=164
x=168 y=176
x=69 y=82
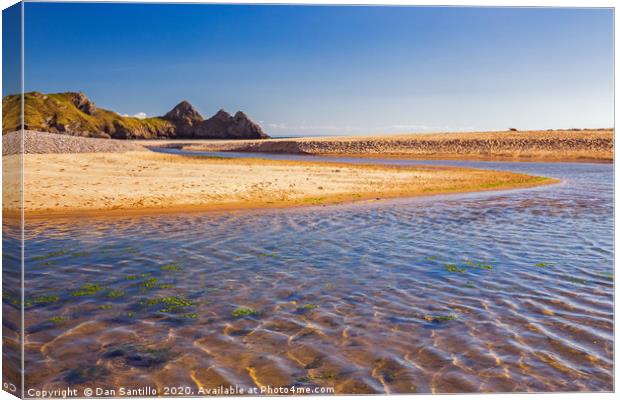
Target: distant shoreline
x=589 y=145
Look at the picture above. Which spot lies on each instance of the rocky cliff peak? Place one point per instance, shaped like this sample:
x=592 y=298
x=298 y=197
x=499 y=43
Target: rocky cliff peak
x=240 y=115
x=183 y=111
x=83 y=103
x=222 y=115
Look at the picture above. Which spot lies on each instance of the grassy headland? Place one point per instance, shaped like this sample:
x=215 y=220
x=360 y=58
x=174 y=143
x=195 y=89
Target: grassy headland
x=72 y=113
x=67 y=112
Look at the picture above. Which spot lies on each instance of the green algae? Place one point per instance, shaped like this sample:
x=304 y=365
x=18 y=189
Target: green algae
x=244 y=312
x=88 y=289
x=575 y=280
x=138 y=276
x=105 y=307
x=170 y=303
x=455 y=268
x=50 y=255
x=171 y=267
x=308 y=307
x=41 y=300
x=272 y=255
x=57 y=319
x=115 y=294
x=14 y=300
x=148 y=284
x=544 y=264
x=478 y=264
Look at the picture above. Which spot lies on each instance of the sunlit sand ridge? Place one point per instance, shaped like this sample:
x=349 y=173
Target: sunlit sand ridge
x=100 y=175
x=143 y=181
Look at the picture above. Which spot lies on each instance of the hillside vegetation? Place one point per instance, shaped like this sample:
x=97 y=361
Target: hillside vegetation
x=75 y=114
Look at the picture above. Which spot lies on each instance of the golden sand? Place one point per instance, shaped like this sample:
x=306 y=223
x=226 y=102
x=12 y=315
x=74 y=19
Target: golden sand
x=129 y=182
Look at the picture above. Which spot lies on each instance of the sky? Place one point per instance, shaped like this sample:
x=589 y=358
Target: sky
x=332 y=70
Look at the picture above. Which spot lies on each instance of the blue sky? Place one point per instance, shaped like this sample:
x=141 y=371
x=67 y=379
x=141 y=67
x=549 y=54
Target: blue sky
x=332 y=70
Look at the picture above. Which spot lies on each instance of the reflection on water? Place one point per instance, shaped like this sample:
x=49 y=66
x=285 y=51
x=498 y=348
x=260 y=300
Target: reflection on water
x=11 y=300
x=504 y=291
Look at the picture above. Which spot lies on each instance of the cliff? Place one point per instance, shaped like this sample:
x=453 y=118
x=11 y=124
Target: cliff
x=75 y=114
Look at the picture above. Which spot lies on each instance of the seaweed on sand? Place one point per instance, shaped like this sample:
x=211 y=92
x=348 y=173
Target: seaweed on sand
x=50 y=255
x=169 y=304
x=544 y=264
x=115 y=294
x=171 y=267
x=455 y=268
x=272 y=255
x=305 y=308
x=148 y=284
x=134 y=277
x=57 y=319
x=240 y=312
x=88 y=289
x=479 y=264
x=41 y=300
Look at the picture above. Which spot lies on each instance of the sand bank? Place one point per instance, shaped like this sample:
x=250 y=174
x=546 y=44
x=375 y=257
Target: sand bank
x=151 y=182
x=560 y=145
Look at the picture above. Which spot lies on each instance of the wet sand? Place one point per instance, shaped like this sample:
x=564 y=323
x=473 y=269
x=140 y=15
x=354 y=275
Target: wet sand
x=145 y=182
x=587 y=145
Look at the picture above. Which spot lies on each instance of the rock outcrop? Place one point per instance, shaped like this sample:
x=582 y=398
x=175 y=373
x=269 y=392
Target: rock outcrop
x=222 y=125
x=184 y=118
x=75 y=114
x=83 y=103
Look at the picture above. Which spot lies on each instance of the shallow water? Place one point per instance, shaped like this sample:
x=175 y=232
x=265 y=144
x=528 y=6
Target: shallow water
x=485 y=292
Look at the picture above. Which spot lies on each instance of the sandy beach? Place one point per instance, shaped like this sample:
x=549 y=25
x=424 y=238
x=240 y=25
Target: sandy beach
x=73 y=175
x=150 y=182
x=587 y=145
